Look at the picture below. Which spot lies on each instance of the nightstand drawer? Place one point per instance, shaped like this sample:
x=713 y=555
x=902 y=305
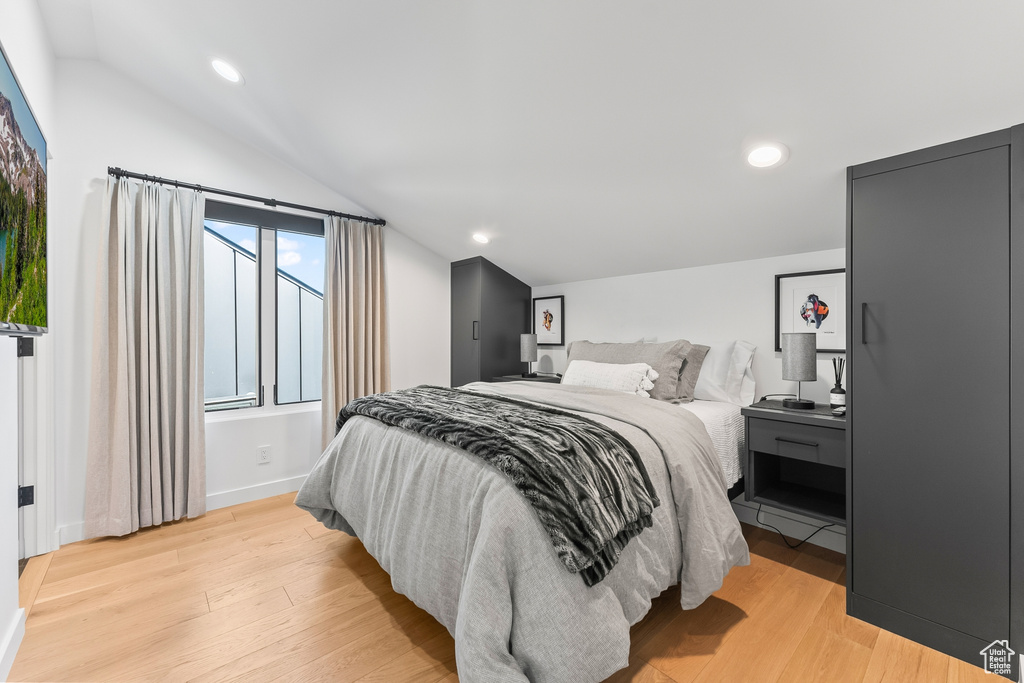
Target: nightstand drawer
x=798 y=441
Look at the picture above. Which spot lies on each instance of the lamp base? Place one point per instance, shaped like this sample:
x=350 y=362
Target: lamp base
x=529 y=374
x=798 y=403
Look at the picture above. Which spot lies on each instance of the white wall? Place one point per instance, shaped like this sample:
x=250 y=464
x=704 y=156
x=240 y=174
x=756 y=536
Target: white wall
x=705 y=304
x=105 y=120
x=25 y=41
x=419 y=287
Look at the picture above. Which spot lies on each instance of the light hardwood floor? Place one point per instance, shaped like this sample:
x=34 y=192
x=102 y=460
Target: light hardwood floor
x=261 y=592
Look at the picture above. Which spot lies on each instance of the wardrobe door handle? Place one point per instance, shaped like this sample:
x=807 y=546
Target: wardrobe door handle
x=863 y=321
x=476 y=330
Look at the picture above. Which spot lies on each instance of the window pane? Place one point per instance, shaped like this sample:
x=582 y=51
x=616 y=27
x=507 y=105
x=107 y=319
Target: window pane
x=312 y=326
x=288 y=367
x=220 y=331
x=300 y=278
x=246 y=329
x=231 y=336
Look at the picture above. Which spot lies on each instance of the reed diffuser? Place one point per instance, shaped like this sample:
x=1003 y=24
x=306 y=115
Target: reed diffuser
x=837 y=395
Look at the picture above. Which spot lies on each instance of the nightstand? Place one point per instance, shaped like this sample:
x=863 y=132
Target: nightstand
x=796 y=460
x=520 y=378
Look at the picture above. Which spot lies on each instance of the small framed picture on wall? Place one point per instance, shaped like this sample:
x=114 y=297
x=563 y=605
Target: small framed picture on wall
x=814 y=301
x=549 y=320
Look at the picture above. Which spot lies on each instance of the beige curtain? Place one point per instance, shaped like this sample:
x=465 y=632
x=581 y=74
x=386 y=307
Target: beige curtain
x=356 y=360
x=146 y=451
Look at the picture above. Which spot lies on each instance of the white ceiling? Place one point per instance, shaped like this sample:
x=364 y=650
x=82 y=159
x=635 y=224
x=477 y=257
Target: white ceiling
x=587 y=139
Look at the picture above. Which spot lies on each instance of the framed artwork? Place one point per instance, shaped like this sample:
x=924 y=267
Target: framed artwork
x=812 y=302
x=549 y=320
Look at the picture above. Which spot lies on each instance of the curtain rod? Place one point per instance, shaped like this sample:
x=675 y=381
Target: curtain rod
x=121 y=173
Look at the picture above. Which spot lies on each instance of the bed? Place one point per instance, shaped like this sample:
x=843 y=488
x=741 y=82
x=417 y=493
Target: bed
x=460 y=541
x=724 y=424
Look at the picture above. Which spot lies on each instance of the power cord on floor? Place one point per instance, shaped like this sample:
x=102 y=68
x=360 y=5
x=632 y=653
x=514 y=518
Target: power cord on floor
x=786 y=540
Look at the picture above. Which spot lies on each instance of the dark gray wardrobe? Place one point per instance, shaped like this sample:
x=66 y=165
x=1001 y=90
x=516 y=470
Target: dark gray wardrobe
x=490 y=309
x=935 y=275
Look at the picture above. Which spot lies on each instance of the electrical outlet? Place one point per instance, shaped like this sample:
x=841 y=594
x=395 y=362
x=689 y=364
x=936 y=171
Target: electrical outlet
x=262 y=454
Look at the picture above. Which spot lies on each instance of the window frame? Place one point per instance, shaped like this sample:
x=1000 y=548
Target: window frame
x=259 y=325
x=277 y=326
x=267 y=224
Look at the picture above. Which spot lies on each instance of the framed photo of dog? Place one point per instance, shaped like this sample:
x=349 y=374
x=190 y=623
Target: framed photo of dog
x=814 y=301
x=549 y=320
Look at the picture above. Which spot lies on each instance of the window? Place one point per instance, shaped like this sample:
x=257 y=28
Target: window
x=264 y=273
x=231 y=324
x=300 y=316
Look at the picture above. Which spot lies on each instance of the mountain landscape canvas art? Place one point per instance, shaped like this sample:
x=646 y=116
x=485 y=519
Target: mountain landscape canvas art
x=22 y=209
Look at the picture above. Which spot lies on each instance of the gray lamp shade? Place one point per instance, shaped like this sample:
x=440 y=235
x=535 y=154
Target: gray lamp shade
x=799 y=356
x=528 y=348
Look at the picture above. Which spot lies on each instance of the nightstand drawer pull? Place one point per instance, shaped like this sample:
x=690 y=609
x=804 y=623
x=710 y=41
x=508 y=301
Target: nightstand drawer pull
x=798 y=443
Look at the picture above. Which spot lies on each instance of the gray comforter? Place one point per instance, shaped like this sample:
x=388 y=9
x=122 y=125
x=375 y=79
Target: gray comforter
x=461 y=542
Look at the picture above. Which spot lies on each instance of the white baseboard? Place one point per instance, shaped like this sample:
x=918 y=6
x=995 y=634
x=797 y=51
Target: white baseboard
x=793 y=525
x=251 y=493
x=73 y=533
x=11 y=642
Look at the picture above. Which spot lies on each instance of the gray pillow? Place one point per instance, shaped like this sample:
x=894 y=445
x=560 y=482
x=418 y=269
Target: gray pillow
x=666 y=358
x=691 y=371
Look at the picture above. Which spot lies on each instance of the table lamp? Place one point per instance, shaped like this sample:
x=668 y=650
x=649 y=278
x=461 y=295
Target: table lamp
x=799 y=364
x=528 y=352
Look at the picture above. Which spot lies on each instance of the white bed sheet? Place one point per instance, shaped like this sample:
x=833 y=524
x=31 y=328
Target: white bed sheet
x=725 y=427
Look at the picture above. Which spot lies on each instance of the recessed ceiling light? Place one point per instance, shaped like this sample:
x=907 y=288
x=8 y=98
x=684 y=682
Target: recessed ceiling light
x=227 y=72
x=482 y=239
x=764 y=156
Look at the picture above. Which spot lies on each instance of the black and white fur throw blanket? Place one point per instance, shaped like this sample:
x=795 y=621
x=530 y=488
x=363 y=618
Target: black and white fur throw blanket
x=587 y=484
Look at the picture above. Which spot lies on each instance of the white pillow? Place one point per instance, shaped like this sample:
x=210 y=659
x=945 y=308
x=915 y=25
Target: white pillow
x=727 y=374
x=631 y=378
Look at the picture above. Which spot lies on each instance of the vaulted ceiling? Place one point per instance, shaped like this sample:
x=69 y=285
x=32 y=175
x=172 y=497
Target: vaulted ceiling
x=587 y=139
